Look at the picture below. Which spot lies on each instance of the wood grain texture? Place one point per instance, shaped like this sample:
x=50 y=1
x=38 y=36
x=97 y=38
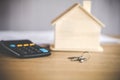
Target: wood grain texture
x=101 y=66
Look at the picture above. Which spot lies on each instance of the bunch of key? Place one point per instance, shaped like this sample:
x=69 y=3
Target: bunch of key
x=84 y=57
x=81 y=59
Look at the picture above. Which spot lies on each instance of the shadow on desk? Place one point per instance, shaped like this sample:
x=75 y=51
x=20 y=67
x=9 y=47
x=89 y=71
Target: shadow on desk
x=101 y=66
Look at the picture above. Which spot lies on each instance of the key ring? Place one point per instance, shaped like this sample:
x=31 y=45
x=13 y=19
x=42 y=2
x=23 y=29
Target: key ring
x=84 y=57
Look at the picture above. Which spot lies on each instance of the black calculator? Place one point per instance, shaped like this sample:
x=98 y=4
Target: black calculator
x=24 y=48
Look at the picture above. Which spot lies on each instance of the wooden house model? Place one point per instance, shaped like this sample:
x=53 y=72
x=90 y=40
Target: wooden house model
x=77 y=30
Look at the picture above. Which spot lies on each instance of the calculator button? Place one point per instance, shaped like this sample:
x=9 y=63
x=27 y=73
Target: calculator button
x=19 y=45
x=25 y=52
x=36 y=46
x=26 y=45
x=32 y=52
x=32 y=44
x=32 y=48
x=39 y=52
x=12 y=45
x=43 y=50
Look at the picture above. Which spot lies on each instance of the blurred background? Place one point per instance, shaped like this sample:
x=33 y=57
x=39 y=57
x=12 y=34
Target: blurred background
x=36 y=15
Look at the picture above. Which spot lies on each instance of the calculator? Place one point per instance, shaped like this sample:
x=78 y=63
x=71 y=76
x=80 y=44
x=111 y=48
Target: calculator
x=24 y=48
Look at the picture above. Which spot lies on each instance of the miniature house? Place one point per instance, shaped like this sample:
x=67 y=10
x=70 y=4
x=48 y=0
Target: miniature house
x=77 y=30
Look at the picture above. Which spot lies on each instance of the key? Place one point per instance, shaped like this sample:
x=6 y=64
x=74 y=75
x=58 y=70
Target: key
x=81 y=59
x=74 y=58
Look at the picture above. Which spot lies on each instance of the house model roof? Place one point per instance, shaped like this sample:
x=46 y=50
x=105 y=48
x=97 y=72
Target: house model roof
x=76 y=5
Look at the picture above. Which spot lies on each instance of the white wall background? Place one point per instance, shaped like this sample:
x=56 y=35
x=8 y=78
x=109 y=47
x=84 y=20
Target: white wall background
x=37 y=14
x=108 y=11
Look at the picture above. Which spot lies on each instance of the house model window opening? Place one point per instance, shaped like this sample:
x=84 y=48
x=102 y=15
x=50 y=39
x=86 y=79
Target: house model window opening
x=77 y=29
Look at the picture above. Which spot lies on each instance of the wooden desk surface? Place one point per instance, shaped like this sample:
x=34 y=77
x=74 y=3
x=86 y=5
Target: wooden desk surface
x=101 y=66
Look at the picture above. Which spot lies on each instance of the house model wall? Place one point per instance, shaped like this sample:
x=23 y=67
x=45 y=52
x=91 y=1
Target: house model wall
x=77 y=30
